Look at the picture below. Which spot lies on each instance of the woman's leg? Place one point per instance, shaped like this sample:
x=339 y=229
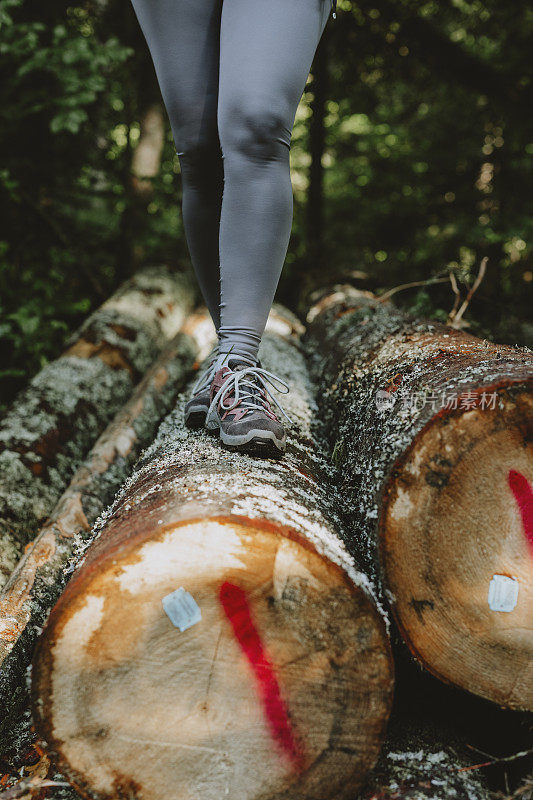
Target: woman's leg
x=266 y=50
x=183 y=37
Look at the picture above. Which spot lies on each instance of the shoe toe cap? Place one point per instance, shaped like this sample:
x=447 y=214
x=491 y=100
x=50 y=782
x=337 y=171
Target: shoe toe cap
x=198 y=400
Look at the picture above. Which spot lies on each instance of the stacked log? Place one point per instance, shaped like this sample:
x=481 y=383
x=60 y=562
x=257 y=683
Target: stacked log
x=53 y=423
x=218 y=639
x=431 y=431
x=42 y=572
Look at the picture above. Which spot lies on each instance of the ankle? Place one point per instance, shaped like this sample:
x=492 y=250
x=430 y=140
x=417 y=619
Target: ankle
x=241 y=342
x=231 y=359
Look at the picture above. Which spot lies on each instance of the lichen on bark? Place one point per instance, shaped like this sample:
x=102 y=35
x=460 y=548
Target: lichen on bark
x=294 y=492
x=41 y=575
x=54 y=421
x=192 y=467
x=356 y=348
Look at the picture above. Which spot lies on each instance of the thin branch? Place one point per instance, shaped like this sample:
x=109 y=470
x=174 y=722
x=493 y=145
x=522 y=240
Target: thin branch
x=524 y=792
x=456 y=319
x=502 y=760
x=482 y=752
x=396 y=289
x=457 y=300
x=26 y=786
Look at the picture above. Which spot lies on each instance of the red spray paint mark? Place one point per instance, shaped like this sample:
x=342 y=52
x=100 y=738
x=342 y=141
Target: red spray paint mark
x=237 y=610
x=523 y=494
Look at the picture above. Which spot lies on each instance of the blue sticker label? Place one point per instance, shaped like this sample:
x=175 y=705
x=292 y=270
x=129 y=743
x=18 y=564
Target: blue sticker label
x=182 y=609
x=503 y=593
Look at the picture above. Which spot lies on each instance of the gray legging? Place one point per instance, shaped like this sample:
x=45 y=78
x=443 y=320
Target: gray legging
x=232 y=73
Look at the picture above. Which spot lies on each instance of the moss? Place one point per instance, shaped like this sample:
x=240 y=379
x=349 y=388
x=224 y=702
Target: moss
x=354 y=355
x=150 y=402
x=339 y=453
x=47 y=433
x=295 y=491
x=52 y=424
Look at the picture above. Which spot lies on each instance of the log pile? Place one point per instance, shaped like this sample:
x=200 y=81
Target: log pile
x=218 y=639
x=53 y=423
x=225 y=628
x=431 y=430
x=41 y=574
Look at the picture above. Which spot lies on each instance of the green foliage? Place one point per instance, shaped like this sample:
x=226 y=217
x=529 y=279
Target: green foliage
x=39 y=323
x=59 y=87
x=428 y=161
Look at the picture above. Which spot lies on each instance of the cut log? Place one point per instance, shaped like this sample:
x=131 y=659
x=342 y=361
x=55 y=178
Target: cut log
x=41 y=574
x=218 y=640
x=431 y=430
x=53 y=423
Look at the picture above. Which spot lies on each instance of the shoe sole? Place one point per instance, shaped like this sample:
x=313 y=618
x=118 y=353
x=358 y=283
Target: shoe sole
x=256 y=442
x=196 y=417
x=257 y=446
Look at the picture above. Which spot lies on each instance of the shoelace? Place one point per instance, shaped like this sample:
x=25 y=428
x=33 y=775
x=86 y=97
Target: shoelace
x=205 y=378
x=240 y=380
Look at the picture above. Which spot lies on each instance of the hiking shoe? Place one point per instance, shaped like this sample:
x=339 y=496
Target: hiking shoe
x=197 y=407
x=240 y=409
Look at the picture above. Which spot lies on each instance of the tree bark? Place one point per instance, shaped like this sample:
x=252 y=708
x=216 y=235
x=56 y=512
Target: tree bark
x=41 y=574
x=278 y=683
x=439 y=496
x=146 y=159
x=53 y=422
x=145 y=167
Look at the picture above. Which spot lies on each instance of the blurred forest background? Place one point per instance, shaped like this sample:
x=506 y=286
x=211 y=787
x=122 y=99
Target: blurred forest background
x=412 y=158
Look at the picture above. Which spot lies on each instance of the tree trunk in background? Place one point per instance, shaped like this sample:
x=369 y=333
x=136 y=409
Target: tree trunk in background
x=140 y=94
x=270 y=675
x=53 y=423
x=145 y=167
x=317 y=137
x=40 y=576
x=146 y=161
x=432 y=432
